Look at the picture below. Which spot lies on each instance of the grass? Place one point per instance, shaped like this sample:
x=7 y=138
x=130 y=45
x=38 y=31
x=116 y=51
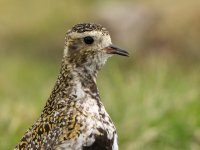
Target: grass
x=153 y=99
x=154 y=104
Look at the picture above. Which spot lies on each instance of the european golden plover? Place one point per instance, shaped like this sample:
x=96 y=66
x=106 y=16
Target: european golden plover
x=74 y=117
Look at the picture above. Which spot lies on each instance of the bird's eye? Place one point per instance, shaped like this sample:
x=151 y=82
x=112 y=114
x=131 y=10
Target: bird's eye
x=88 y=40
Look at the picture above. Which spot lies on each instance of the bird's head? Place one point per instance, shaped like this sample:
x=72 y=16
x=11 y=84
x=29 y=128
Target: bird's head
x=89 y=45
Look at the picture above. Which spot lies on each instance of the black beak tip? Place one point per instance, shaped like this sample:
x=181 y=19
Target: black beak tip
x=126 y=54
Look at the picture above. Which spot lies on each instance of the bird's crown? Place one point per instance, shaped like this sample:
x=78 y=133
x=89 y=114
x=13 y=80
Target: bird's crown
x=86 y=27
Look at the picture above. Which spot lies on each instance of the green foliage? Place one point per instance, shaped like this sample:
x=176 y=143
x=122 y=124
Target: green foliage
x=153 y=96
x=154 y=105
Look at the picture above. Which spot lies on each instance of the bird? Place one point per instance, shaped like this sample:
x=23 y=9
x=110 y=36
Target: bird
x=74 y=118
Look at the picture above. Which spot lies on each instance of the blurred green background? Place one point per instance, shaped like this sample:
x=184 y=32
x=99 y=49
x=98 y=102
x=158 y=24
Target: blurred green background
x=153 y=96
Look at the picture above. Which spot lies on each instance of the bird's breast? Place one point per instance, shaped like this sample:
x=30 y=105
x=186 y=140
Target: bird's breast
x=87 y=125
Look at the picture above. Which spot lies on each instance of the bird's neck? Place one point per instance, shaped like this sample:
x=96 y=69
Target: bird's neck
x=73 y=83
x=74 y=74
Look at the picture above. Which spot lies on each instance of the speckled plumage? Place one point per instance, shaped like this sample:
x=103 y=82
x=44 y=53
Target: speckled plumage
x=74 y=118
x=85 y=27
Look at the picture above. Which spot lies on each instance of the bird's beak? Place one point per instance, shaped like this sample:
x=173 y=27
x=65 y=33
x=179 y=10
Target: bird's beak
x=115 y=50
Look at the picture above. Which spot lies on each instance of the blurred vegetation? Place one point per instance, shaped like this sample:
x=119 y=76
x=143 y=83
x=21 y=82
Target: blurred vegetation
x=156 y=100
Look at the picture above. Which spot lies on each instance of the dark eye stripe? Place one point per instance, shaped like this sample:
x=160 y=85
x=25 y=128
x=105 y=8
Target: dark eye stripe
x=88 y=40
